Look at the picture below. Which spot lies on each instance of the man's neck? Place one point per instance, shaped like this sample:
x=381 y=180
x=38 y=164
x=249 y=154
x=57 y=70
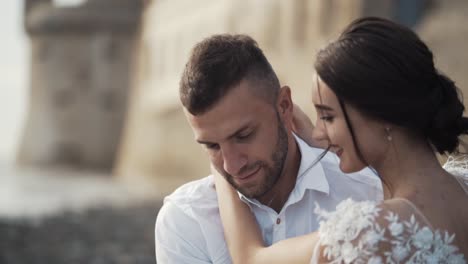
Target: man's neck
x=279 y=194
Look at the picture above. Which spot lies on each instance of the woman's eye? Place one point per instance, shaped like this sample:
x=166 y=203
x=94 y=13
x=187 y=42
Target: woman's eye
x=327 y=118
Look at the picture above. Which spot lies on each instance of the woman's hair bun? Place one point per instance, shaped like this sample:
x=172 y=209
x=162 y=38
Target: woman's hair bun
x=448 y=122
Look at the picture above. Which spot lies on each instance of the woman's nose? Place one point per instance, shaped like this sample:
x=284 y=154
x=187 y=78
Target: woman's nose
x=320 y=135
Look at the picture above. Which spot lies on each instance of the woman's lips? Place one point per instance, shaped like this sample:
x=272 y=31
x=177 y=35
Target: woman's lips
x=337 y=150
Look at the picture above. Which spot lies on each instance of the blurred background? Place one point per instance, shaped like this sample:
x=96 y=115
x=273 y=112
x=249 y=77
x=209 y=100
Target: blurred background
x=92 y=134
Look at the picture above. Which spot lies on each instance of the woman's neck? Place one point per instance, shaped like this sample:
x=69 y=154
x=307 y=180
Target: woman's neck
x=409 y=169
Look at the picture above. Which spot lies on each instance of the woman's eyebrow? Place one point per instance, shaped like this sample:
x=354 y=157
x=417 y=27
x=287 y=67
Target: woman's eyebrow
x=323 y=107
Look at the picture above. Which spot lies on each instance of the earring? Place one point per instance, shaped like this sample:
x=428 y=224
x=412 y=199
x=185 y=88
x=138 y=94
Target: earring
x=389 y=136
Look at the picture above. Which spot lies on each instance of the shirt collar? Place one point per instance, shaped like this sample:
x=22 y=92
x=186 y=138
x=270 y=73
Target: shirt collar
x=309 y=176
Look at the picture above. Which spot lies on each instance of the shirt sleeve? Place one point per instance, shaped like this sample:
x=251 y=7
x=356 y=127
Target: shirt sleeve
x=178 y=238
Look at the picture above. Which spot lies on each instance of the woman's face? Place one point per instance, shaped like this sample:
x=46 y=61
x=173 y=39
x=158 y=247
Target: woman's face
x=331 y=125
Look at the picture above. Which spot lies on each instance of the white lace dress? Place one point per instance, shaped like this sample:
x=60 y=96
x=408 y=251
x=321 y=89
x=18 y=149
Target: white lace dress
x=371 y=232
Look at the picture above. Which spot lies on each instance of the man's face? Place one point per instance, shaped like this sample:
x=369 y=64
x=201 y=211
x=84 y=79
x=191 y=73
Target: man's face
x=245 y=139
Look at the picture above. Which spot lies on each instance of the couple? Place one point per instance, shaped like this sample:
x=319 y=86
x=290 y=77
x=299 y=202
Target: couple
x=383 y=109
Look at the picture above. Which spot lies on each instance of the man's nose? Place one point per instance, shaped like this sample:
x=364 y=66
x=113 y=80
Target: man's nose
x=233 y=160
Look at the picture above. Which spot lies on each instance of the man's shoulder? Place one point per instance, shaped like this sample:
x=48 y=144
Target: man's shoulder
x=194 y=198
x=364 y=181
x=194 y=191
x=188 y=225
x=361 y=185
x=331 y=165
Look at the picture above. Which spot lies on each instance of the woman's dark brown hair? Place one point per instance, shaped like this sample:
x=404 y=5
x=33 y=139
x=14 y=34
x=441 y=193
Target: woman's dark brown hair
x=384 y=70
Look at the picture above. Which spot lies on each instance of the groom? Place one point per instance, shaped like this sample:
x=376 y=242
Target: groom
x=243 y=118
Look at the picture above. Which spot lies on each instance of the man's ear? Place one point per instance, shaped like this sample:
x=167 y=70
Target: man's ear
x=284 y=101
x=285 y=106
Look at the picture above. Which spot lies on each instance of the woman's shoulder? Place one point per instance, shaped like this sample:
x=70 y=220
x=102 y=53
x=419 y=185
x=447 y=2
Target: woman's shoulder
x=458 y=167
x=392 y=231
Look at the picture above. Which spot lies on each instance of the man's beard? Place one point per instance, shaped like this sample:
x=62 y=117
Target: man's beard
x=272 y=173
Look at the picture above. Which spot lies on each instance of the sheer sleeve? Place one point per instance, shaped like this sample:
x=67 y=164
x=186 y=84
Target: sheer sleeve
x=390 y=232
x=458 y=167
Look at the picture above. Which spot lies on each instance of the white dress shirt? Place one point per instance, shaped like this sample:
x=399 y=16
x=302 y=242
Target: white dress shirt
x=189 y=229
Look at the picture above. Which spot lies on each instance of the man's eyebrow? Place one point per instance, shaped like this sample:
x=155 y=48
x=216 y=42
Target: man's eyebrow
x=323 y=107
x=229 y=137
x=204 y=142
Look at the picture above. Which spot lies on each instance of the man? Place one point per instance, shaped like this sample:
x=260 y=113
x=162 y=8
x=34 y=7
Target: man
x=244 y=119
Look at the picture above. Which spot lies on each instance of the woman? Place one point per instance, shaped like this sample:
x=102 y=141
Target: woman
x=381 y=103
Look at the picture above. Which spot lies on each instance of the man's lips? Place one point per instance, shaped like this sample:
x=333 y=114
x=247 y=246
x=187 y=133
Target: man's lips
x=248 y=176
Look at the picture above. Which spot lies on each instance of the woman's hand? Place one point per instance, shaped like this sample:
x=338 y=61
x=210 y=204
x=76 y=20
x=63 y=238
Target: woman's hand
x=221 y=184
x=303 y=127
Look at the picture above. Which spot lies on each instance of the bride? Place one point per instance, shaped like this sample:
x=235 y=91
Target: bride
x=381 y=103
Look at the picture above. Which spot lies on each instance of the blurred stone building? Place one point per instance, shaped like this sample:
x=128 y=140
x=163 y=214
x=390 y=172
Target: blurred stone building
x=81 y=65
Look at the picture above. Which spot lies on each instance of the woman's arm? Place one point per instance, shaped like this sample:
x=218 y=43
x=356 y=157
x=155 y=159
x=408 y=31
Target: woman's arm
x=243 y=235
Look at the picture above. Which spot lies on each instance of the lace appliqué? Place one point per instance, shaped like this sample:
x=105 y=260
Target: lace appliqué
x=362 y=232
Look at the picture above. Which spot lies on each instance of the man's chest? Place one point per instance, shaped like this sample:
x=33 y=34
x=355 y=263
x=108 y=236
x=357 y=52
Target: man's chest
x=294 y=220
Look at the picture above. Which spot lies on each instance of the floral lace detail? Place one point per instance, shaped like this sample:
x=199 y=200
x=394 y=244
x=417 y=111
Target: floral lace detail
x=363 y=232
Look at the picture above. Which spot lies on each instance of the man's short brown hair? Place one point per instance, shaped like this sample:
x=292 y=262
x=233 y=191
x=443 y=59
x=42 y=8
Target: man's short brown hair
x=219 y=63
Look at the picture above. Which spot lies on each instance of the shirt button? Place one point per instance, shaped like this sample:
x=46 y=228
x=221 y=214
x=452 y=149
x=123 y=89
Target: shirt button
x=278 y=221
